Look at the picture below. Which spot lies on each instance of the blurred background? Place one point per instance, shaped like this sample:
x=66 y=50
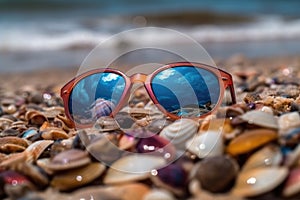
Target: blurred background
x=37 y=34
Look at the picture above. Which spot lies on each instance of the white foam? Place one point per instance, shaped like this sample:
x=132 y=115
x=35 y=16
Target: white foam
x=37 y=38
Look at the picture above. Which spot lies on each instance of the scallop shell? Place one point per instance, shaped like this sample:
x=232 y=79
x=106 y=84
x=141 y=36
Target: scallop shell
x=292 y=185
x=266 y=157
x=77 y=177
x=132 y=168
x=260 y=118
x=250 y=140
x=258 y=181
x=179 y=132
x=289 y=120
x=207 y=144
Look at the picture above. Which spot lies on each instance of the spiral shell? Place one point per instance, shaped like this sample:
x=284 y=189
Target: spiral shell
x=102 y=108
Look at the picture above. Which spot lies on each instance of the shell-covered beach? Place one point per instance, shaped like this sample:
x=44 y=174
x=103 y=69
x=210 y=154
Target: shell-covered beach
x=249 y=150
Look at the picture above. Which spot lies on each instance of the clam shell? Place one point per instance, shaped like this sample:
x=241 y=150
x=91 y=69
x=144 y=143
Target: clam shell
x=292 y=185
x=250 y=140
x=260 y=118
x=266 y=157
x=33 y=151
x=133 y=168
x=179 y=132
x=207 y=144
x=289 y=120
x=69 y=159
x=258 y=181
x=54 y=134
x=120 y=192
x=77 y=177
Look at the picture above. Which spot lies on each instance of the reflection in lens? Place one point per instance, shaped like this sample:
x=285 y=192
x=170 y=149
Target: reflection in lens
x=95 y=96
x=186 y=90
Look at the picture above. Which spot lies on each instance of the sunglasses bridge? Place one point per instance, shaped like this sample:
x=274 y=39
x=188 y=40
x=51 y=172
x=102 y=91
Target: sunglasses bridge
x=141 y=78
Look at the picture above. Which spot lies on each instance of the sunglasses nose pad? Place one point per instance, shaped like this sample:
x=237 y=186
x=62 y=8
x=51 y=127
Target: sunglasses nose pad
x=140 y=110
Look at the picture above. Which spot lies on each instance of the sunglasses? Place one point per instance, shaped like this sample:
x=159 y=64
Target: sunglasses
x=183 y=89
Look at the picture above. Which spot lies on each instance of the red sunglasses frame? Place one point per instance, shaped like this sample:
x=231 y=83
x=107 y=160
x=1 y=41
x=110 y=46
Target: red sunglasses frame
x=225 y=81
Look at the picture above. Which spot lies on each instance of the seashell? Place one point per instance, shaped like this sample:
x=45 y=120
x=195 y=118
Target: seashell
x=52 y=112
x=289 y=120
x=292 y=185
x=65 y=122
x=159 y=194
x=20 y=126
x=5 y=123
x=216 y=174
x=124 y=120
x=172 y=177
x=54 y=134
x=157 y=125
x=268 y=156
x=9 y=132
x=121 y=192
x=102 y=108
x=179 y=132
x=35 y=117
x=133 y=168
x=157 y=146
x=77 y=177
x=250 y=140
x=260 y=118
x=290 y=137
x=105 y=124
x=14 y=140
x=258 y=181
x=69 y=159
x=33 y=151
x=127 y=142
x=220 y=124
x=105 y=149
x=11 y=148
x=207 y=144
x=230 y=112
x=33 y=172
x=10 y=109
x=267 y=109
x=29 y=133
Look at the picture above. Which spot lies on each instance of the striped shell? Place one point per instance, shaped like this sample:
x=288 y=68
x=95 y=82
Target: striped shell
x=102 y=108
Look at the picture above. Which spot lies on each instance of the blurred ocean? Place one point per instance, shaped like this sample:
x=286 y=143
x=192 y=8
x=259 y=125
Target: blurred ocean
x=38 y=34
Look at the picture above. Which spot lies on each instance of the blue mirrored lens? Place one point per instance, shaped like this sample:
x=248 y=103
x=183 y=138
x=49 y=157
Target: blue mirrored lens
x=95 y=96
x=186 y=90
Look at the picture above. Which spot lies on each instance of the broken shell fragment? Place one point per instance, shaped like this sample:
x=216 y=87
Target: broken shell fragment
x=250 y=140
x=259 y=181
x=289 y=120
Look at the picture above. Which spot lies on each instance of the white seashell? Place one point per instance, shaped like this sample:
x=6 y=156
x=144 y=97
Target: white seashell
x=179 y=132
x=289 y=120
x=266 y=157
x=207 y=144
x=132 y=168
x=159 y=194
x=259 y=180
x=267 y=109
x=260 y=118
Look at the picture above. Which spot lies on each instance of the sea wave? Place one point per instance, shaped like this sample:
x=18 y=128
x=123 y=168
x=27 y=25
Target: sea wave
x=35 y=39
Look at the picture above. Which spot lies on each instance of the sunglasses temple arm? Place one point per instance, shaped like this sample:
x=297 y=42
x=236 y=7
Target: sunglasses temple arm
x=232 y=92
